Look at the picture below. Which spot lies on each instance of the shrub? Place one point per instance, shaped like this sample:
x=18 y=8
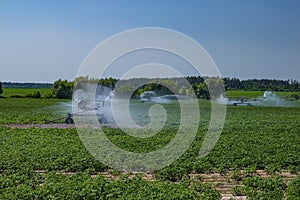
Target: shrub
x=16 y=96
x=36 y=94
x=294 y=96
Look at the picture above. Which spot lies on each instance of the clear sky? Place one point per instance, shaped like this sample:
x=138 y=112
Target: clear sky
x=44 y=40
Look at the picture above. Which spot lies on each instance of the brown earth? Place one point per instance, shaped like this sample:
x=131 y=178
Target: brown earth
x=54 y=125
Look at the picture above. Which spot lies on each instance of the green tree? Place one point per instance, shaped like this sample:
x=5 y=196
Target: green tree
x=182 y=91
x=203 y=92
x=1 y=90
x=108 y=82
x=62 y=89
x=124 y=91
x=191 y=91
x=215 y=87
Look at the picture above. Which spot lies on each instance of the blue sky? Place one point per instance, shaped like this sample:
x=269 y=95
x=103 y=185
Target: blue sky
x=42 y=41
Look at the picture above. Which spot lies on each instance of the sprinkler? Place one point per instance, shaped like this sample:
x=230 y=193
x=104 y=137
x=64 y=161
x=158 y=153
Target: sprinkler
x=69 y=119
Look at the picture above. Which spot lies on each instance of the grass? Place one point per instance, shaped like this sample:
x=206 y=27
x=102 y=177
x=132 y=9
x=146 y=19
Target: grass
x=7 y=92
x=285 y=94
x=28 y=110
x=246 y=94
x=235 y=94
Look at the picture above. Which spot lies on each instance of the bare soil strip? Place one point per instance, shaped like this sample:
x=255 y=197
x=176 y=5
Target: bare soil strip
x=25 y=126
x=54 y=125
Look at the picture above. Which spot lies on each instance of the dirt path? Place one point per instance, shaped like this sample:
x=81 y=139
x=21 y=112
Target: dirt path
x=54 y=125
x=25 y=126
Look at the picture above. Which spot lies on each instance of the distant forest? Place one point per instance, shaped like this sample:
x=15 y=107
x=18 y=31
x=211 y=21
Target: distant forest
x=26 y=85
x=229 y=83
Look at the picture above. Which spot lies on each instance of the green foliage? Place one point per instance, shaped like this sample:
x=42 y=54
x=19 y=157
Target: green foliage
x=123 y=91
x=47 y=95
x=263 y=188
x=22 y=92
x=16 y=85
x=16 y=96
x=200 y=90
x=127 y=88
x=253 y=138
x=1 y=90
x=203 y=87
x=264 y=137
x=108 y=82
x=262 y=85
x=236 y=175
x=46 y=149
x=62 y=89
x=24 y=185
x=272 y=169
x=215 y=87
x=238 y=191
x=205 y=190
x=295 y=96
x=36 y=94
x=173 y=173
x=293 y=190
x=25 y=110
x=235 y=94
x=293 y=169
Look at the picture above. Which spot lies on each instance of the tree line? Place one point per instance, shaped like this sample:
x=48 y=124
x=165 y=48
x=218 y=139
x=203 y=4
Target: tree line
x=26 y=85
x=262 y=85
x=202 y=87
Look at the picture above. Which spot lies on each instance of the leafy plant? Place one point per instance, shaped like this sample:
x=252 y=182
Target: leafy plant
x=293 y=190
x=264 y=188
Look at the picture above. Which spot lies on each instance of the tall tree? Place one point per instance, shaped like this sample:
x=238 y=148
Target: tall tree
x=62 y=89
x=1 y=90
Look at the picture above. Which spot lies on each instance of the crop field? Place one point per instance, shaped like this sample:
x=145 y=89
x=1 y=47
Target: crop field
x=256 y=157
x=234 y=94
x=28 y=110
x=7 y=92
x=285 y=94
x=240 y=93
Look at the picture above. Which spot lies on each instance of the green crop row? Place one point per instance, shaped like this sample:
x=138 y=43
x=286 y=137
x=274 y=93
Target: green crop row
x=26 y=111
x=268 y=188
x=29 y=185
x=261 y=137
x=267 y=141
x=22 y=92
x=252 y=138
x=45 y=149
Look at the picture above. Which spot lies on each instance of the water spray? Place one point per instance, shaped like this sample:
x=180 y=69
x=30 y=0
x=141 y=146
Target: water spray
x=269 y=99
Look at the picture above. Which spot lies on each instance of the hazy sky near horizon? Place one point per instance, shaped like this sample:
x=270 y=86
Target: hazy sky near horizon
x=42 y=41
